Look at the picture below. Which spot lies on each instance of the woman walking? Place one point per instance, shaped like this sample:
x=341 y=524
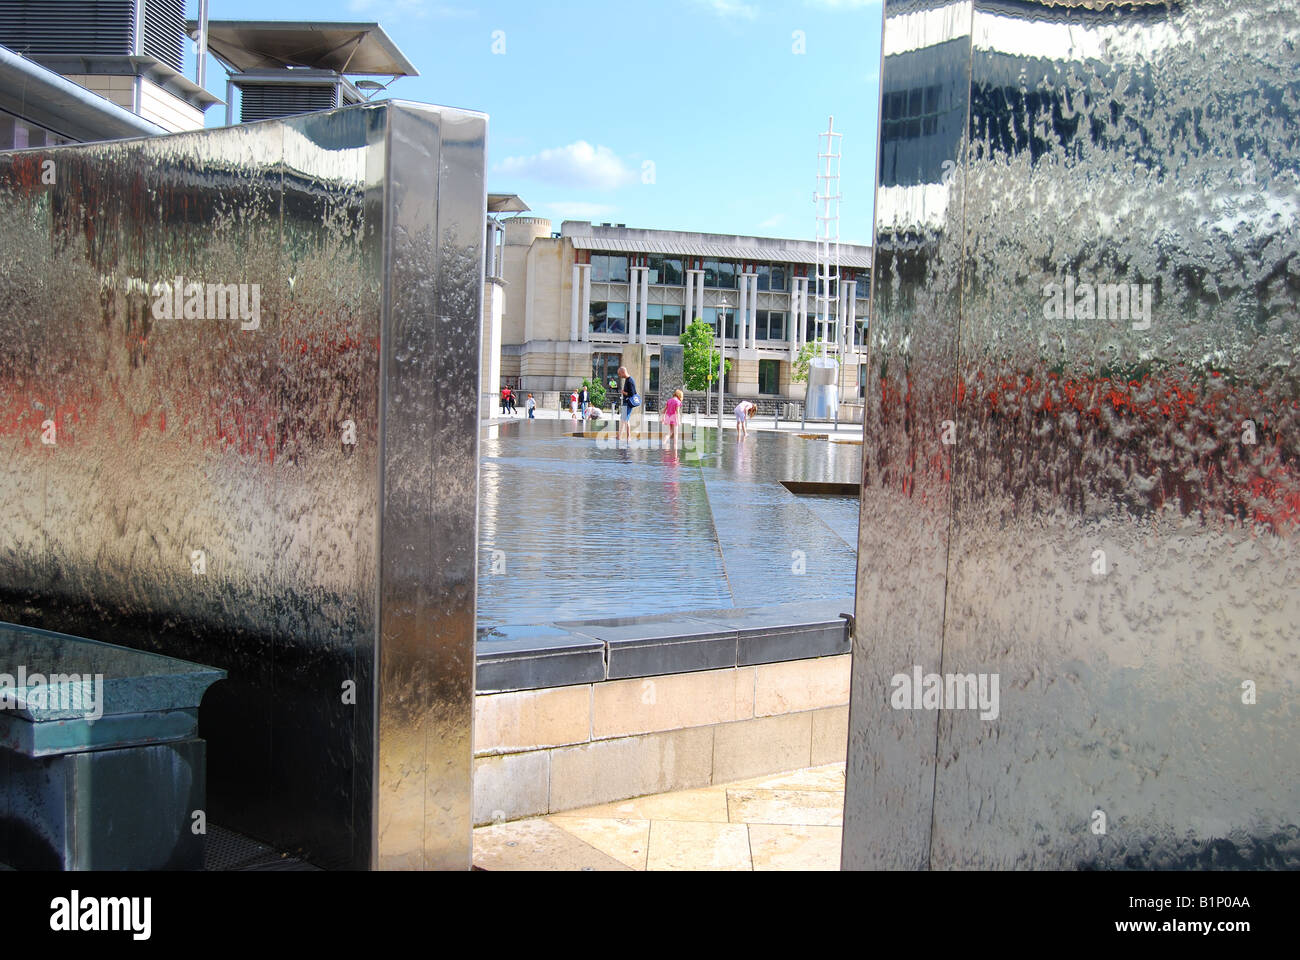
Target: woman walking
x=630 y=399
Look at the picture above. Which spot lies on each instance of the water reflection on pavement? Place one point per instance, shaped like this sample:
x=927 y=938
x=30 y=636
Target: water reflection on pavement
x=582 y=527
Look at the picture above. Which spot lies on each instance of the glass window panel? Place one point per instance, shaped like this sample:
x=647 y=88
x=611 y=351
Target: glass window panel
x=710 y=316
x=654 y=320
x=617 y=318
x=599 y=268
x=727 y=275
x=654 y=374
x=710 y=273
x=597 y=317
x=778 y=278
x=618 y=269
x=769 y=376
x=672 y=272
x=672 y=322
x=776 y=325
x=764 y=277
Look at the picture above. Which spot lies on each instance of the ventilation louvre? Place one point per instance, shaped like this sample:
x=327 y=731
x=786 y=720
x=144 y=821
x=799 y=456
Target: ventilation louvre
x=94 y=28
x=269 y=101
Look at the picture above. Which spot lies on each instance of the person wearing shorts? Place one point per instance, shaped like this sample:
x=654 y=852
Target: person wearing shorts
x=629 y=390
x=744 y=410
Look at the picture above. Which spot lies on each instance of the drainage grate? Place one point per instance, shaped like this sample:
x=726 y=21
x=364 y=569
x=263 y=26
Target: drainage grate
x=227 y=850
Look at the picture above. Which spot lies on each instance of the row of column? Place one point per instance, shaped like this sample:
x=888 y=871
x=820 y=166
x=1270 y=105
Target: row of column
x=580 y=315
x=638 y=289
x=639 y=304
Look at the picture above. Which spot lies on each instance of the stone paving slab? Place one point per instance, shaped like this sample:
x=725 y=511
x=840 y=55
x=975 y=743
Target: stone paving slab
x=780 y=822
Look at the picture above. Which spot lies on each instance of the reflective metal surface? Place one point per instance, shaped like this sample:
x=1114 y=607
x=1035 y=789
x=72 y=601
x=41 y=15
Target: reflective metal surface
x=1099 y=507
x=272 y=496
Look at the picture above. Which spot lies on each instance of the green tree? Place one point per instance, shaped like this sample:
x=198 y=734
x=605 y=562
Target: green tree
x=595 y=391
x=799 y=369
x=699 y=359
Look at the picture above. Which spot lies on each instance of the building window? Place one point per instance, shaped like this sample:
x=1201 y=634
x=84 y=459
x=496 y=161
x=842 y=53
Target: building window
x=828 y=329
x=606 y=268
x=19 y=134
x=663 y=320
x=710 y=316
x=617 y=313
x=769 y=324
x=604 y=367
x=771 y=277
x=666 y=271
x=654 y=374
x=769 y=376
x=862 y=380
x=720 y=274
x=608 y=317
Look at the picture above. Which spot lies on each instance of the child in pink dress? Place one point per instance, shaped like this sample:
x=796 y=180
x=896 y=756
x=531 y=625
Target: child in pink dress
x=672 y=414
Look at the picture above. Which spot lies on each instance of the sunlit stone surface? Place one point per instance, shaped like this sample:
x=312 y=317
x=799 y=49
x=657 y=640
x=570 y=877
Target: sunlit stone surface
x=1099 y=507
x=289 y=494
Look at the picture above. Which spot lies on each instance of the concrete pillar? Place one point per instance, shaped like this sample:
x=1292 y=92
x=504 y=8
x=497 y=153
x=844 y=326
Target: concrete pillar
x=632 y=279
x=575 y=300
x=584 y=311
x=753 y=310
x=645 y=303
x=742 y=314
x=689 y=315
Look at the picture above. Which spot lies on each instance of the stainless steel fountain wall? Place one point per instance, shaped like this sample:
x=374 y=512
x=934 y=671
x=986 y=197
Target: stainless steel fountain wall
x=1089 y=495
x=282 y=484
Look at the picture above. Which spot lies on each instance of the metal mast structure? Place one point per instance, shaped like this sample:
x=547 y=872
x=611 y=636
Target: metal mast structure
x=827 y=199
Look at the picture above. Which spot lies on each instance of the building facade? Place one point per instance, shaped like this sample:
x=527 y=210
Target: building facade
x=127 y=53
x=585 y=299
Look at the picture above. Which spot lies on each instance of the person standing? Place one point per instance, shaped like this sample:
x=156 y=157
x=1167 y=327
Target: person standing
x=573 y=405
x=630 y=399
x=583 y=399
x=744 y=410
x=505 y=400
x=672 y=415
x=531 y=404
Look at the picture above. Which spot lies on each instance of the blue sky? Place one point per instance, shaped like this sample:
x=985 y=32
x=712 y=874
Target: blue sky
x=708 y=100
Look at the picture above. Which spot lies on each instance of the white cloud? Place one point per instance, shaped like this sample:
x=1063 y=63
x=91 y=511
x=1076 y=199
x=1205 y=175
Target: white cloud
x=772 y=221
x=578 y=165
x=578 y=209
x=730 y=8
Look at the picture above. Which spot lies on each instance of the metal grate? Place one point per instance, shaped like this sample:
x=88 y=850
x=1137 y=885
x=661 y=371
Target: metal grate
x=268 y=101
x=34 y=28
x=164 y=31
x=226 y=850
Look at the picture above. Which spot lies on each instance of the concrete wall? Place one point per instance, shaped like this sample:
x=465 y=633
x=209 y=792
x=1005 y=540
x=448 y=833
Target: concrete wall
x=545 y=751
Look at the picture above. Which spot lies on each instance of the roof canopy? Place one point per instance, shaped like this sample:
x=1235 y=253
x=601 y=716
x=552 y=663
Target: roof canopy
x=348 y=48
x=506 y=203
x=779 y=251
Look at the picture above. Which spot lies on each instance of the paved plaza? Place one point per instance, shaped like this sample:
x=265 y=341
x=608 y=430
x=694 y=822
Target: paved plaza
x=788 y=821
